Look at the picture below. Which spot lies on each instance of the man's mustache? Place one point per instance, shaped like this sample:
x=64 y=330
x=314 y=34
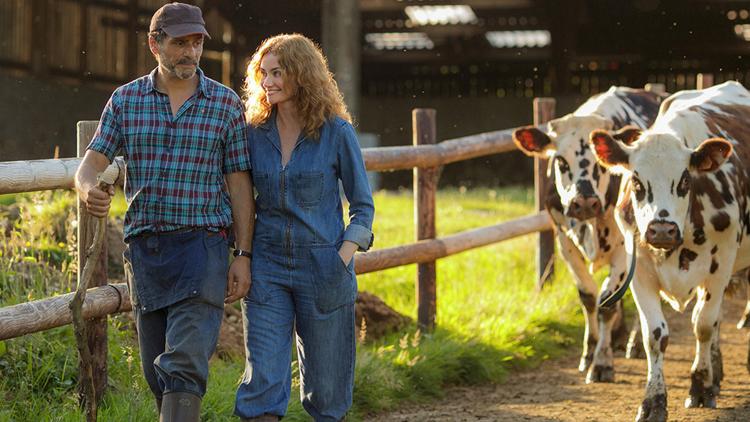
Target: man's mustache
x=188 y=61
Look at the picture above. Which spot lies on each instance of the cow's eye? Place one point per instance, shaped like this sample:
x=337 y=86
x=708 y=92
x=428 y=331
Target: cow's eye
x=562 y=165
x=637 y=185
x=684 y=185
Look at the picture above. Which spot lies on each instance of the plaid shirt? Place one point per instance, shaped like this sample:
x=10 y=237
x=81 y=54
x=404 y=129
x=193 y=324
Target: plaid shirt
x=175 y=165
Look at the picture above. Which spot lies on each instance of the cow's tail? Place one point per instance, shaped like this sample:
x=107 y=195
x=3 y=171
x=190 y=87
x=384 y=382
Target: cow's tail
x=612 y=299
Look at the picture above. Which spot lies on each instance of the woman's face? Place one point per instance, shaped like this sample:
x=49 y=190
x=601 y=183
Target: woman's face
x=272 y=80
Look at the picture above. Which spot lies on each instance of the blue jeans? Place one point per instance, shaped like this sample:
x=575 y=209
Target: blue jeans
x=308 y=291
x=186 y=274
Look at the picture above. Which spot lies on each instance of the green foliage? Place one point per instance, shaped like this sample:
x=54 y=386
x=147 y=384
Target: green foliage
x=46 y=215
x=490 y=319
x=119 y=205
x=7 y=198
x=37 y=364
x=43 y=230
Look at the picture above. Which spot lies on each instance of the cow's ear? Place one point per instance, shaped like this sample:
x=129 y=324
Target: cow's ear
x=531 y=140
x=608 y=151
x=710 y=154
x=627 y=135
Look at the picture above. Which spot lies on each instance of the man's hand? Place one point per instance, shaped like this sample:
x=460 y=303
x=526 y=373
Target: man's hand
x=97 y=200
x=238 y=281
x=87 y=184
x=243 y=221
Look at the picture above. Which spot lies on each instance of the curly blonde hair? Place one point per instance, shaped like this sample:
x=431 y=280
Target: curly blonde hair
x=317 y=97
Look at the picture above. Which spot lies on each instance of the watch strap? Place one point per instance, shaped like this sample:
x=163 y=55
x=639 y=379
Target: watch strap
x=242 y=252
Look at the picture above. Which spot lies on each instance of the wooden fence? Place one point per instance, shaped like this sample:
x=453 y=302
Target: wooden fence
x=425 y=157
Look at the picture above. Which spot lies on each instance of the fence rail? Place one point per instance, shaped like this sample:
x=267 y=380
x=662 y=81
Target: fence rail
x=44 y=314
x=36 y=175
x=52 y=174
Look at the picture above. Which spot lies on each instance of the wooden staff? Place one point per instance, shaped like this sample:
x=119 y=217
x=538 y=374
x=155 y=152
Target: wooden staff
x=76 y=309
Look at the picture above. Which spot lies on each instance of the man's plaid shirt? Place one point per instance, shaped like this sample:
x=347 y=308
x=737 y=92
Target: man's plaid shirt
x=175 y=165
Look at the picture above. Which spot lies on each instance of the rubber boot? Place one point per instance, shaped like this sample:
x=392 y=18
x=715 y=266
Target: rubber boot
x=158 y=408
x=180 y=407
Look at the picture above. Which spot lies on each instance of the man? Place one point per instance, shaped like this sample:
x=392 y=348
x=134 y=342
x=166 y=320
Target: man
x=183 y=139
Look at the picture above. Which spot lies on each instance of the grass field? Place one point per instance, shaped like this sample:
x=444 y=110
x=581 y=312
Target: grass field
x=490 y=319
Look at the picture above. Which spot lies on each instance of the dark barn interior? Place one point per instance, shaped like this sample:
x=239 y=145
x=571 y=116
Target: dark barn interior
x=479 y=63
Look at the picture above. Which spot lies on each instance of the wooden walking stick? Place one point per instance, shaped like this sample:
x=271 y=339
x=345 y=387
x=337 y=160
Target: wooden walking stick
x=76 y=305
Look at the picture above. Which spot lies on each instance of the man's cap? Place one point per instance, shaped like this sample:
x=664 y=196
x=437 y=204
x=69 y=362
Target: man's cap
x=178 y=20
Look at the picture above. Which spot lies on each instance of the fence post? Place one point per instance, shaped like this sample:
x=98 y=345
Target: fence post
x=96 y=329
x=704 y=80
x=425 y=187
x=544 y=111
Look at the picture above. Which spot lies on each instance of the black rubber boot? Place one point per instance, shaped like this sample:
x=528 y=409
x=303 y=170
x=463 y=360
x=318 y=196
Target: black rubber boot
x=180 y=407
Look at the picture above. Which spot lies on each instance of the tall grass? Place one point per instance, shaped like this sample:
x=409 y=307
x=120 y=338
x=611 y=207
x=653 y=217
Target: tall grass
x=489 y=317
x=490 y=320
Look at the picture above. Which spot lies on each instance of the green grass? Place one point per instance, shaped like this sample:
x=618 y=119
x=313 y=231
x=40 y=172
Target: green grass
x=490 y=320
x=7 y=198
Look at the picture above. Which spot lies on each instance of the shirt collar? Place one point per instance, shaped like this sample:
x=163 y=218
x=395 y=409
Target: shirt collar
x=203 y=86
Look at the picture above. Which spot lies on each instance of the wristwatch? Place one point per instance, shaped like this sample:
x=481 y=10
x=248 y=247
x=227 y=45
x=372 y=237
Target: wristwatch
x=242 y=252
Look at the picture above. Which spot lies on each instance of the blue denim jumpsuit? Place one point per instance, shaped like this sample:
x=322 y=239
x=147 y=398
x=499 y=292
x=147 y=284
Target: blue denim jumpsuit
x=300 y=284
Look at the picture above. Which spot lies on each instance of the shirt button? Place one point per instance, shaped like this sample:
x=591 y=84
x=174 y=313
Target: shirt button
x=195 y=292
x=144 y=308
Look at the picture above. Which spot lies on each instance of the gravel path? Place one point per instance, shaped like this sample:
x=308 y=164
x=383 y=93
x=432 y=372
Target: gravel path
x=556 y=391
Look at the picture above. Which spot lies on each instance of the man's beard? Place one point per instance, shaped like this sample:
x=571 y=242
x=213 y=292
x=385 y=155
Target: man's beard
x=180 y=72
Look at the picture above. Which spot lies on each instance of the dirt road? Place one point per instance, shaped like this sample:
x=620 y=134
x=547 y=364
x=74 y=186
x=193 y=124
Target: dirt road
x=556 y=391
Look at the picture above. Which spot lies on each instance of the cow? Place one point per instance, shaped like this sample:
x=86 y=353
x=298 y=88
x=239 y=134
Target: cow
x=683 y=209
x=581 y=201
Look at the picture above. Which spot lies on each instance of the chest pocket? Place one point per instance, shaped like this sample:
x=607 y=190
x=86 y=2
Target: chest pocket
x=307 y=188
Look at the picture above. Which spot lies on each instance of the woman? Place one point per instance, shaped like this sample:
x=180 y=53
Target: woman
x=301 y=144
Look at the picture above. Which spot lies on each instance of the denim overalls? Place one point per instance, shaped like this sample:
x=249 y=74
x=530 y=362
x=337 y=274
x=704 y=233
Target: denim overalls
x=299 y=282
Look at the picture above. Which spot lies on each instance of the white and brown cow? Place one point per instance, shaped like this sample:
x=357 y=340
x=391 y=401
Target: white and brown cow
x=685 y=204
x=581 y=203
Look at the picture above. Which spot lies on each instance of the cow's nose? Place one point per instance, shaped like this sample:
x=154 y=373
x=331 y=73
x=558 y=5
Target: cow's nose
x=663 y=234
x=584 y=207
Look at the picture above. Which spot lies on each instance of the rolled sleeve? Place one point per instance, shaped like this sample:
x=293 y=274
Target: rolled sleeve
x=107 y=139
x=357 y=189
x=362 y=236
x=236 y=152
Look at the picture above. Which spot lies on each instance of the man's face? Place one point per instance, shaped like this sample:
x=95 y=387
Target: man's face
x=179 y=56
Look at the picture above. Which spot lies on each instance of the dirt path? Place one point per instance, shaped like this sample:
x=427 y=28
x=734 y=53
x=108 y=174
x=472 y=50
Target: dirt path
x=557 y=392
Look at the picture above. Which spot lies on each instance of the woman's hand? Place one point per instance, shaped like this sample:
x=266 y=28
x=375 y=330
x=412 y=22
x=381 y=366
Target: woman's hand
x=346 y=252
